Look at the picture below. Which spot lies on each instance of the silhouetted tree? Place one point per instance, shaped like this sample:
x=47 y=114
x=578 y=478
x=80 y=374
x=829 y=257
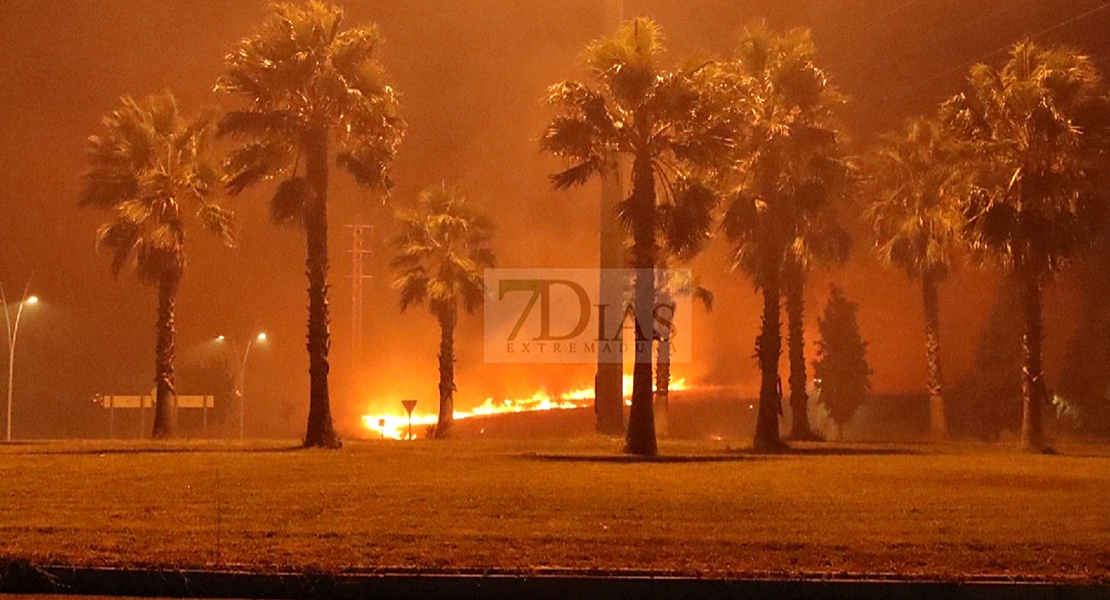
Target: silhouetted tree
x=916 y=212
x=665 y=121
x=149 y=168
x=988 y=400
x=213 y=377
x=1034 y=125
x=442 y=250
x=841 y=363
x=308 y=81
x=1084 y=390
x=790 y=172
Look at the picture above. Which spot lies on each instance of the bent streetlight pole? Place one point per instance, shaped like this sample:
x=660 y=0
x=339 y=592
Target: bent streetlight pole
x=13 y=331
x=242 y=387
x=242 y=382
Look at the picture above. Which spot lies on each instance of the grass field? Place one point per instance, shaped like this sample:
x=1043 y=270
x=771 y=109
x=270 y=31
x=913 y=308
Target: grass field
x=947 y=511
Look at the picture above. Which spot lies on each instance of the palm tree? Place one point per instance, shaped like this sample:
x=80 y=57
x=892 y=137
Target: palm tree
x=671 y=283
x=307 y=82
x=791 y=172
x=819 y=239
x=917 y=217
x=442 y=249
x=665 y=121
x=149 y=168
x=1036 y=125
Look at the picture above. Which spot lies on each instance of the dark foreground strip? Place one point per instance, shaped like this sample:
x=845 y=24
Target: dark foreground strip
x=21 y=578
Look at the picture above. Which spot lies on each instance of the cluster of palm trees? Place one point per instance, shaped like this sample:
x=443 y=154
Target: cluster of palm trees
x=1009 y=172
x=309 y=85
x=751 y=146
x=313 y=93
x=755 y=137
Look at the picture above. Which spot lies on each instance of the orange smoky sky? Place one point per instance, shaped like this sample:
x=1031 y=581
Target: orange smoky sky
x=471 y=74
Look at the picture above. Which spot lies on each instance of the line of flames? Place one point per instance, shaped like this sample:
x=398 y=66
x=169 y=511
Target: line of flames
x=396 y=425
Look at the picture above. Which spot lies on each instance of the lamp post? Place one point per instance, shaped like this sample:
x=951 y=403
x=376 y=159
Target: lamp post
x=13 y=331
x=243 y=374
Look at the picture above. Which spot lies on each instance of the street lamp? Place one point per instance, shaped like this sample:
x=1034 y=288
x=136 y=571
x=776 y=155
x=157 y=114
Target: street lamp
x=261 y=337
x=13 y=331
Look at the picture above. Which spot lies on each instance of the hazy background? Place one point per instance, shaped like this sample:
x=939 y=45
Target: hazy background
x=471 y=74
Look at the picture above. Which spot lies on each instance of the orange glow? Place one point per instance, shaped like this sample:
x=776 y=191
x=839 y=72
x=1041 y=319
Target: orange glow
x=395 y=425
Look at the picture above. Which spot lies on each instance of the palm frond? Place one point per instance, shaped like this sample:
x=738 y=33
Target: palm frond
x=369 y=165
x=441 y=251
x=625 y=62
x=255 y=162
x=1029 y=155
x=106 y=188
x=576 y=175
x=120 y=239
x=687 y=223
x=257 y=124
x=148 y=164
x=287 y=207
x=300 y=69
x=574 y=138
x=218 y=221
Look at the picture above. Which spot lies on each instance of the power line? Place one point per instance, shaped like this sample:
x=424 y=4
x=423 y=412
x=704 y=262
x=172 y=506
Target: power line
x=854 y=56
x=1072 y=20
x=890 y=12
x=963 y=66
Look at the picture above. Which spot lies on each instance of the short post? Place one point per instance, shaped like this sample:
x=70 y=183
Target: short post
x=381 y=426
x=409 y=405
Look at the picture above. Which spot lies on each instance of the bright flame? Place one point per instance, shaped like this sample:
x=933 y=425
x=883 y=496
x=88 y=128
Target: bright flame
x=396 y=426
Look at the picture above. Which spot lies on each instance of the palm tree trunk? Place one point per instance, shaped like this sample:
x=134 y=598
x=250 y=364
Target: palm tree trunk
x=662 y=387
x=795 y=315
x=446 y=374
x=768 y=349
x=609 y=380
x=165 y=392
x=1032 y=380
x=320 y=432
x=641 y=422
x=938 y=424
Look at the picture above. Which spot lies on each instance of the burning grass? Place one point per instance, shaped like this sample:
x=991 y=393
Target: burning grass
x=397 y=424
x=913 y=511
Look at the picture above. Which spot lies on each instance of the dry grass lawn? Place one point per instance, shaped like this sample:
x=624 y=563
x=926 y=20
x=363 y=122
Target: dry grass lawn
x=947 y=511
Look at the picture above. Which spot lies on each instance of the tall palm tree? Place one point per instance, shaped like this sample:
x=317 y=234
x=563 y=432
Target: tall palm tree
x=818 y=239
x=789 y=175
x=150 y=168
x=1036 y=125
x=442 y=249
x=664 y=121
x=309 y=82
x=916 y=212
